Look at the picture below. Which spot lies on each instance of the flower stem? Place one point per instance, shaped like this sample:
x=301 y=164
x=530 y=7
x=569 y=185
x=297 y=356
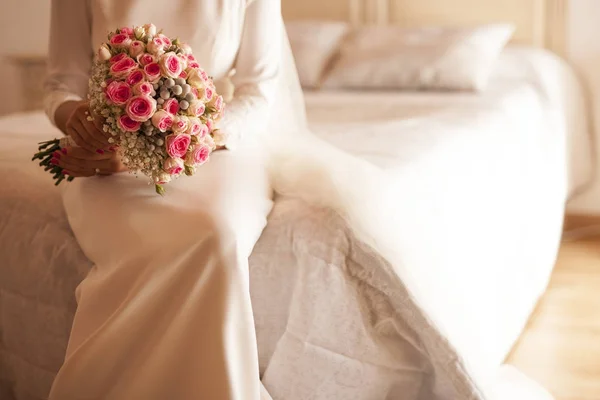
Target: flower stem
x=45 y=153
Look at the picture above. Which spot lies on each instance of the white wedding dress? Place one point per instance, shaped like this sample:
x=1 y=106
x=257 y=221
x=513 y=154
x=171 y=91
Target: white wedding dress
x=165 y=312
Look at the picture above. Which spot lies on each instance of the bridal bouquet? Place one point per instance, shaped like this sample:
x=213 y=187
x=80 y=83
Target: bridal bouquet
x=158 y=105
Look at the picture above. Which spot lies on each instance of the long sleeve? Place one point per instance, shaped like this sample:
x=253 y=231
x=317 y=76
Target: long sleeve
x=257 y=66
x=70 y=54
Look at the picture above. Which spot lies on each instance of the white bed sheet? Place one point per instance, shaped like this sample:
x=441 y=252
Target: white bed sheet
x=485 y=180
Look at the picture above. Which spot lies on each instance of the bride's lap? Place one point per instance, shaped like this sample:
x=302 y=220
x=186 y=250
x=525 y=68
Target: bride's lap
x=171 y=275
x=113 y=217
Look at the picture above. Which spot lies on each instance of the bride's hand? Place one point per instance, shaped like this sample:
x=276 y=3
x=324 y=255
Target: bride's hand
x=73 y=116
x=77 y=161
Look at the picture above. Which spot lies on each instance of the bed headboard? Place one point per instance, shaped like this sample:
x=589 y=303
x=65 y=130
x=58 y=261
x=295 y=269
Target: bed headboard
x=539 y=23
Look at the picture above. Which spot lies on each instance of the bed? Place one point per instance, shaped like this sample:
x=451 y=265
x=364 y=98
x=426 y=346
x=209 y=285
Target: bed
x=485 y=179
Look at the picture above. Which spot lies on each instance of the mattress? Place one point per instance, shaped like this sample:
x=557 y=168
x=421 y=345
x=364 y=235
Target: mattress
x=483 y=182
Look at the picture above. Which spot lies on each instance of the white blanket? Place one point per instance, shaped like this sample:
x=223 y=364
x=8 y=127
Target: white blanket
x=484 y=182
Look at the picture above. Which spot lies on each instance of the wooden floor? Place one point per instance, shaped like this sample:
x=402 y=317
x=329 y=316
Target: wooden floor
x=561 y=345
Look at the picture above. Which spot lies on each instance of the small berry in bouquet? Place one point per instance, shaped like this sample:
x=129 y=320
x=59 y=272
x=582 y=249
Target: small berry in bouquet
x=159 y=106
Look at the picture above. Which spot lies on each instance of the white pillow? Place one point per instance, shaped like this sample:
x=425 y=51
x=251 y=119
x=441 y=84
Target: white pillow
x=314 y=43
x=420 y=58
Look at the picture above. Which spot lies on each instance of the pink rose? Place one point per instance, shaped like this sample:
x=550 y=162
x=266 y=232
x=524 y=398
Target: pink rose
x=120 y=40
x=118 y=92
x=171 y=65
x=123 y=68
x=127 y=31
x=183 y=75
x=145 y=59
x=152 y=72
x=193 y=64
x=204 y=75
x=156 y=46
x=208 y=93
x=204 y=131
x=143 y=88
x=134 y=77
x=195 y=92
x=210 y=124
x=126 y=124
x=140 y=108
x=166 y=41
x=198 y=155
x=173 y=166
x=177 y=144
x=217 y=104
x=162 y=120
x=116 y=58
x=171 y=106
x=196 y=108
x=181 y=124
x=195 y=126
x=190 y=56
x=136 y=48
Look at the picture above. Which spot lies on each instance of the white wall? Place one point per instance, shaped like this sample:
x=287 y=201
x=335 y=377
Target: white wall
x=584 y=52
x=24 y=29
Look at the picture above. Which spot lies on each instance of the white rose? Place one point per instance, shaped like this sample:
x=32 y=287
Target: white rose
x=161 y=178
x=150 y=29
x=184 y=62
x=185 y=48
x=219 y=137
x=104 y=53
x=194 y=78
x=139 y=32
x=209 y=141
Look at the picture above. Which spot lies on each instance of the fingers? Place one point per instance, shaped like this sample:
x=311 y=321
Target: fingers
x=82 y=163
x=91 y=134
x=76 y=130
x=87 y=134
x=83 y=154
x=98 y=122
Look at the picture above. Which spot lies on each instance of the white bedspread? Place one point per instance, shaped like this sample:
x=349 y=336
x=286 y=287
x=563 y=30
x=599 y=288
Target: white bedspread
x=484 y=181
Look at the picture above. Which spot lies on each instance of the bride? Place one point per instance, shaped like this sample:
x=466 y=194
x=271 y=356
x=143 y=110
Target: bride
x=165 y=312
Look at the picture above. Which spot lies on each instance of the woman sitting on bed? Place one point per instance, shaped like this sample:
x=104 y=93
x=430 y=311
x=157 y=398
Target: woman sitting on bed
x=165 y=313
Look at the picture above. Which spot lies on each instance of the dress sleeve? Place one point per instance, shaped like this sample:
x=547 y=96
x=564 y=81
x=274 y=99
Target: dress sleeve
x=70 y=54
x=257 y=67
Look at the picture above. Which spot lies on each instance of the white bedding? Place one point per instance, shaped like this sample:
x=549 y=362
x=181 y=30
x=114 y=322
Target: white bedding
x=525 y=80
x=484 y=181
